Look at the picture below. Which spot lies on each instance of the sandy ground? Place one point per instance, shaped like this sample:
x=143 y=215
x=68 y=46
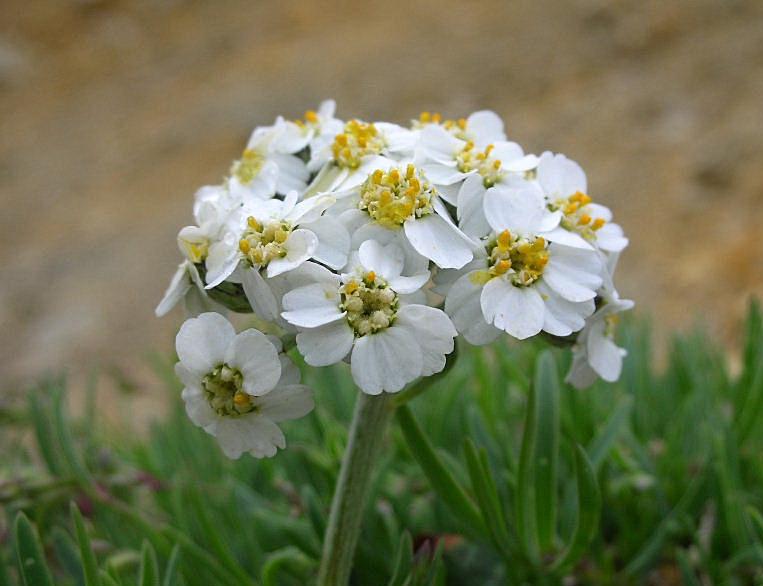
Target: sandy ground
x=113 y=113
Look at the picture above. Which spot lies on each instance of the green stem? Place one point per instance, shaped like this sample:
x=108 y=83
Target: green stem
x=372 y=415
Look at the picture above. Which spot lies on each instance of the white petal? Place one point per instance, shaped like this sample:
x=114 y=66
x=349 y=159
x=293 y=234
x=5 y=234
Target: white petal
x=311 y=306
x=604 y=356
x=333 y=241
x=560 y=176
x=386 y=361
x=292 y=173
x=471 y=214
x=255 y=356
x=197 y=407
x=567 y=238
x=222 y=260
x=387 y=260
x=286 y=403
x=438 y=241
x=519 y=208
x=563 y=317
x=177 y=289
x=300 y=245
x=408 y=285
x=486 y=127
x=573 y=273
x=434 y=332
x=259 y=294
x=309 y=210
x=440 y=174
x=518 y=311
x=462 y=304
x=326 y=344
x=202 y=342
x=610 y=238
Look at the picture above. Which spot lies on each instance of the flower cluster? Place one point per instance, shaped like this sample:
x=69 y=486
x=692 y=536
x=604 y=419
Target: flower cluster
x=377 y=244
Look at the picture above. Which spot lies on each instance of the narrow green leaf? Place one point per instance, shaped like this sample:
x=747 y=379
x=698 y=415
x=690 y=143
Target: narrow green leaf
x=403 y=560
x=488 y=500
x=42 y=431
x=601 y=445
x=67 y=554
x=149 y=567
x=441 y=479
x=589 y=508
x=89 y=563
x=524 y=504
x=546 y=448
x=171 y=575
x=31 y=559
x=64 y=438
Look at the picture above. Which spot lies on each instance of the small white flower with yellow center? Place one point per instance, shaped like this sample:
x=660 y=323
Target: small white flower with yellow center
x=318 y=128
x=355 y=152
x=595 y=352
x=262 y=171
x=530 y=283
x=401 y=200
x=464 y=173
x=565 y=186
x=213 y=209
x=238 y=387
x=275 y=237
x=366 y=314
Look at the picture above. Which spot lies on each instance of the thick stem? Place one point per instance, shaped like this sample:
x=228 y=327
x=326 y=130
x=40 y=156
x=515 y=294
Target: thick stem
x=369 y=423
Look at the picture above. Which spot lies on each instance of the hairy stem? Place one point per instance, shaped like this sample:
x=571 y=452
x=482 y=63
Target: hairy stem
x=369 y=423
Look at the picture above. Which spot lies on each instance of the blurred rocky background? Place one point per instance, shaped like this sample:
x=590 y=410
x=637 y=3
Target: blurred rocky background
x=114 y=112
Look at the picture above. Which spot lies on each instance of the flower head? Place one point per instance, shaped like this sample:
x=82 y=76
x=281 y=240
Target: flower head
x=237 y=386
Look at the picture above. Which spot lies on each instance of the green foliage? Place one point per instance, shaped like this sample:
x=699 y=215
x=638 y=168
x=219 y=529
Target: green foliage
x=497 y=473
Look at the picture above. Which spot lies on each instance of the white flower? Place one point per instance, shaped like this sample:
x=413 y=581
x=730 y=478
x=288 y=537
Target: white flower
x=262 y=171
x=213 y=208
x=565 y=187
x=402 y=201
x=365 y=314
x=529 y=282
x=316 y=130
x=275 y=237
x=595 y=352
x=238 y=387
x=447 y=161
x=354 y=153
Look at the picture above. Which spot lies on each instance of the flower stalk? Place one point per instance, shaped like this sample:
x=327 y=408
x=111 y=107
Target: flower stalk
x=369 y=422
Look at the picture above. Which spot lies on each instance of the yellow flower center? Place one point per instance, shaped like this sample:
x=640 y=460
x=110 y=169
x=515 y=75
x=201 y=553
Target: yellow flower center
x=526 y=258
x=393 y=197
x=248 y=166
x=310 y=120
x=223 y=389
x=470 y=159
x=358 y=140
x=576 y=216
x=195 y=250
x=263 y=242
x=456 y=127
x=370 y=304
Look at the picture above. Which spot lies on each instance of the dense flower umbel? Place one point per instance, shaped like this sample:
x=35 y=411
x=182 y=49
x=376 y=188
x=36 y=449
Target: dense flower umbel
x=331 y=232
